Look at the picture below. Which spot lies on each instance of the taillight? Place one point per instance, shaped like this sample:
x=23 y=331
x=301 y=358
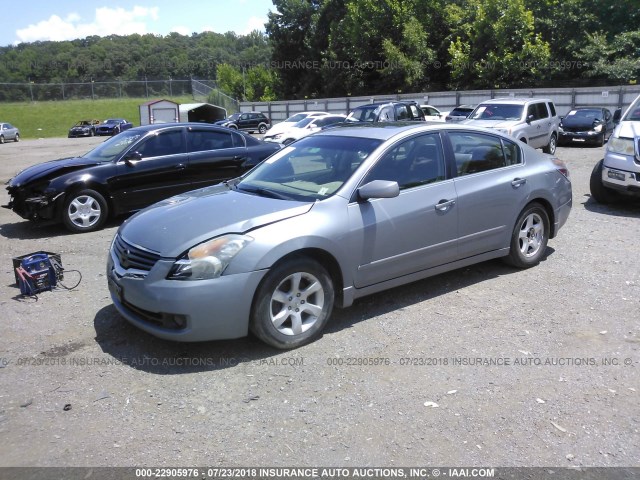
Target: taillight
x=561 y=166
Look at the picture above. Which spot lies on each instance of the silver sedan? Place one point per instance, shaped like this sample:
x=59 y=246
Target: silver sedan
x=338 y=215
x=9 y=132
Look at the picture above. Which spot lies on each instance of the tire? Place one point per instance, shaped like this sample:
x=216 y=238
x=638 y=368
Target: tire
x=1 y=139
x=292 y=304
x=551 y=147
x=600 y=141
x=17 y=139
x=599 y=192
x=262 y=129
x=84 y=211
x=529 y=238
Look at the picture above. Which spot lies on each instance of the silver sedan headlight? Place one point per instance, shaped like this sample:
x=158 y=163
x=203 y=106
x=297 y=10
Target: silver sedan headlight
x=209 y=259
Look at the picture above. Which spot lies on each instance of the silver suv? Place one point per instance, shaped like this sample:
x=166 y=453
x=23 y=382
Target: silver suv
x=531 y=120
x=619 y=171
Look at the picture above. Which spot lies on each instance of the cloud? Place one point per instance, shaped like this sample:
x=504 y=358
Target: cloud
x=254 y=23
x=107 y=21
x=181 y=29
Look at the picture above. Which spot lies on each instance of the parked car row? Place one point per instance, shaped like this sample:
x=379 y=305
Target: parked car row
x=90 y=128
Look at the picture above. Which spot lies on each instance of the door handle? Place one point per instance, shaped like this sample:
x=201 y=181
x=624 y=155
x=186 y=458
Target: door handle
x=518 y=182
x=444 y=205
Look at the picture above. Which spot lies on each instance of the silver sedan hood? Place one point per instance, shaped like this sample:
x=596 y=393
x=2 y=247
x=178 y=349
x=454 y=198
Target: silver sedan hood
x=172 y=226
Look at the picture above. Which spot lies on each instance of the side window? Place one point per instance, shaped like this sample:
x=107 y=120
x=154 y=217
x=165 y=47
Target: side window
x=203 y=140
x=512 y=153
x=552 y=108
x=402 y=112
x=414 y=162
x=415 y=113
x=238 y=140
x=244 y=116
x=542 y=110
x=386 y=114
x=477 y=153
x=165 y=143
x=532 y=111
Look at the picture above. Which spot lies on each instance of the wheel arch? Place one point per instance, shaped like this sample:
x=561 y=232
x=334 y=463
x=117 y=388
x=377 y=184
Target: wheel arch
x=77 y=186
x=548 y=209
x=324 y=258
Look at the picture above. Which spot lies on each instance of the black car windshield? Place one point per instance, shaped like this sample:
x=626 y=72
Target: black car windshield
x=313 y=168
x=113 y=148
x=497 y=112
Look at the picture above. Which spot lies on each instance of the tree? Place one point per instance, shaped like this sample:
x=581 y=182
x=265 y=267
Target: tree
x=496 y=46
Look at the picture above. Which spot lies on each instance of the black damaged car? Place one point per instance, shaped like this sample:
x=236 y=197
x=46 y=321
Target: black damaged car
x=132 y=170
x=586 y=125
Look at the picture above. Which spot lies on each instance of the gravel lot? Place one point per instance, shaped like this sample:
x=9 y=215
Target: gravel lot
x=522 y=368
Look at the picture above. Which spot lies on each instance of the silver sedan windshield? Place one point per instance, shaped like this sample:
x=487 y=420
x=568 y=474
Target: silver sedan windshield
x=311 y=169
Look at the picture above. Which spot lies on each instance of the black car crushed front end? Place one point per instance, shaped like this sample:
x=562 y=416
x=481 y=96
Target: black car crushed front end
x=33 y=202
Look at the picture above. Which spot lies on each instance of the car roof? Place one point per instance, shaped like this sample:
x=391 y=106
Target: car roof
x=162 y=126
x=515 y=100
x=386 y=130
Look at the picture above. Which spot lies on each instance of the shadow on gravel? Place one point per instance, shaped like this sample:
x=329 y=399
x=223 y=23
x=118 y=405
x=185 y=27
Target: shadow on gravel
x=626 y=207
x=27 y=230
x=397 y=299
x=142 y=351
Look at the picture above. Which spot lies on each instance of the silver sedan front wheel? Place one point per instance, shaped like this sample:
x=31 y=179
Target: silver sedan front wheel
x=293 y=303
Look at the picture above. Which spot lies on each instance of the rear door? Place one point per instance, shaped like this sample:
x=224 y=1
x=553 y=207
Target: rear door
x=214 y=155
x=491 y=187
x=539 y=129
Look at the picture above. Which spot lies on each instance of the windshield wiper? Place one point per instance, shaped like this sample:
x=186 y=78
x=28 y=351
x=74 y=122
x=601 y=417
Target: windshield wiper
x=263 y=192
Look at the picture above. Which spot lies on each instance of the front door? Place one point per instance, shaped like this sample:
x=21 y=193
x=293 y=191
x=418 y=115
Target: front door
x=417 y=230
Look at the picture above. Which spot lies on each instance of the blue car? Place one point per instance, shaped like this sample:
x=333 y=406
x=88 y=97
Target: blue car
x=113 y=126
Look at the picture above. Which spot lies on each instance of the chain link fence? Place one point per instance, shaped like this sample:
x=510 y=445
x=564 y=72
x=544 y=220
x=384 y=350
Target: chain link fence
x=200 y=90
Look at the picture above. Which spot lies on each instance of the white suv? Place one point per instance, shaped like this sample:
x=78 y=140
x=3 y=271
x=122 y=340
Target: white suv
x=619 y=171
x=531 y=120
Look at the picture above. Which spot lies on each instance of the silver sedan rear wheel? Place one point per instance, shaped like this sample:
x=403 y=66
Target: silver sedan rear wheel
x=530 y=236
x=293 y=303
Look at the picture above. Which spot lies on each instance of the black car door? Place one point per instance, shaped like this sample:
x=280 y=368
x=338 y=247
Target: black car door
x=154 y=169
x=214 y=155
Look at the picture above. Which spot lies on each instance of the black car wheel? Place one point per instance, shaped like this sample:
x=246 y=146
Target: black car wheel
x=84 y=211
x=262 y=129
x=17 y=139
x=1 y=138
x=292 y=304
x=599 y=192
x=529 y=238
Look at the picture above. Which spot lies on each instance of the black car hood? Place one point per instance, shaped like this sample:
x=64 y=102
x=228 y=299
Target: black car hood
x=53 y=168
x=576 y=121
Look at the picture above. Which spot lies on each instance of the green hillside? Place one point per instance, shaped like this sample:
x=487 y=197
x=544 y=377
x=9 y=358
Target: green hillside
x=53 y=119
